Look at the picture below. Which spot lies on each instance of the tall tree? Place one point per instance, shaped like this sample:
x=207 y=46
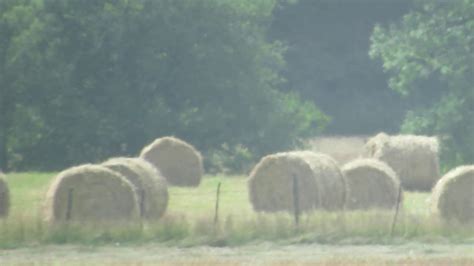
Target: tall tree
x=17 y=30
x=113 y=75
x=429 y=55
x=328 y=62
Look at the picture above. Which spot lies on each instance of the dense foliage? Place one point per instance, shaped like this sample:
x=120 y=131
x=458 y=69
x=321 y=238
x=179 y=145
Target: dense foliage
x=429 y=55
x=86 y=81
x=81 y=81
x=328 y=62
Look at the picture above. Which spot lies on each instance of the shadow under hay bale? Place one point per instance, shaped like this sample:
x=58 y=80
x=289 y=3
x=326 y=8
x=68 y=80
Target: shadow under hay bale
x=4 y=197
x=453 y=195
x=149 y=186
x=271 y=182
x=179 y=162
x=90 y=193
x=371 y=184
x=415 y=159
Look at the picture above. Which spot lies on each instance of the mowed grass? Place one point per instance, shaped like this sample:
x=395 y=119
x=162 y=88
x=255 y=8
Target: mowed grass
x=189 y=220
x=29 y=189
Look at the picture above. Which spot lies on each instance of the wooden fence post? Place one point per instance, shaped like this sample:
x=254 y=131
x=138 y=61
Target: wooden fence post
x=296 y=201
x=397 y=207
x=216 y=212
x=142 y=203
x=69 y=204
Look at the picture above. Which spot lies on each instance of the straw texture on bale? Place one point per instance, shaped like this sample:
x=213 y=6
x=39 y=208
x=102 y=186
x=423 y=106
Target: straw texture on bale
x=4 y=197
x=453 y=195
x=371 y=184
x=415 y=159
x=179 y=162
x=329 y=176
x=90 y=193
x=271 y=182
x=149 y=186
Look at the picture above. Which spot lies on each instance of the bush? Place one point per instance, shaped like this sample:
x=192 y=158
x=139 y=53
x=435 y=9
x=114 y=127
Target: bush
x=236 y=159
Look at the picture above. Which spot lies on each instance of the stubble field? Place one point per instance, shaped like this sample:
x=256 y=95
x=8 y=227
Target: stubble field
x=188 y=234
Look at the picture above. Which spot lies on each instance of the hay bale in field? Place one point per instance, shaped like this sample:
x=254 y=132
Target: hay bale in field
x=453 y=195
x=370 y=184
x=330 y=179
x=373 y=144
x=150 y=187
x=343 y=149
x=90 y=193
x=271 y=182
x=415 y=159
x=179 y=162
x=4 y=196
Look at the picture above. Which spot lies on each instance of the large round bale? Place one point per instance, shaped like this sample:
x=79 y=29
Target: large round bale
x=4 y=196
x=91 y=193
x=373 y=144
x=331 y=181
x=371 y=184
x=271 y=184
x=179 y=162
x=149 y=186
x=415 y=159
x=319 y=182
x=453 y=195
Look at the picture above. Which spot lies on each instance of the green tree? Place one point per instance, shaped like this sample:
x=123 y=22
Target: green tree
x=17 y=27
x=429 y=55
x=112 y=75
x=328 y=62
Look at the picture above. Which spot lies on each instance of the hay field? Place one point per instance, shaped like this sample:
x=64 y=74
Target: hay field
x=186 y=234
x=28 y=190
x=342 y=148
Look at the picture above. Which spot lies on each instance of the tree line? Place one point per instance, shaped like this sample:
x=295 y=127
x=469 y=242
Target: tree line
x=83 y=81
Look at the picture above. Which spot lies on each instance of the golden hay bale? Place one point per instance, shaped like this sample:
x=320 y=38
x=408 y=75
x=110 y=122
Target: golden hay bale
x=150 y=187
x=179 y=162
x=453 y=195
x=90 y=193
x=331 y=181
x=271 y=182
x=415 y=159
x=370 y=184
x=372 y=145
x=4 y=196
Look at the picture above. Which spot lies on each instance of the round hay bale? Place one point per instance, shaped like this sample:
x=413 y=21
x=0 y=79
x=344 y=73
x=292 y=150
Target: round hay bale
x=371 y=147
x=331 y=181
x=415 y=159
x=179 y=162
x=4 y=196
x=271 y=182
x=150 y=187
x=452 y=197
x=272 y=179
x=90 y=193
x=370 y=184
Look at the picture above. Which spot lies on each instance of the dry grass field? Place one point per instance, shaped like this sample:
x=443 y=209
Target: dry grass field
x=342 y=148
x=188 y=236
x=256 y=254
